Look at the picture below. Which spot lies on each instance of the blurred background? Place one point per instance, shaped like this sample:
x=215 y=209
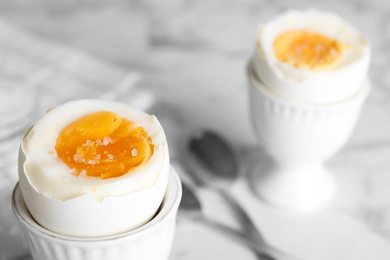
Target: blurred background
x=184 y=61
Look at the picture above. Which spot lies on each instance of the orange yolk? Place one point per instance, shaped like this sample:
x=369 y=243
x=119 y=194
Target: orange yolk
x=103 y=145
x=307 y=50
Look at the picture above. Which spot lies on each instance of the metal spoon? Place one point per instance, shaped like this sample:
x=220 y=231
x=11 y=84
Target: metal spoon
x=221 y=168
x=192 y=206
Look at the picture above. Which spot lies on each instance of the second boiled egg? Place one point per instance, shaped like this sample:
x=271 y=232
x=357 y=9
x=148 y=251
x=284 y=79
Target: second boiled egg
x=311 y=56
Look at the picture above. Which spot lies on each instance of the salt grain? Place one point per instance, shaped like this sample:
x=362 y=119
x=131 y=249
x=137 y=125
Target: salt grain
x=77 y=157
x=82 y=174
x=134 y=152
x=107 y=140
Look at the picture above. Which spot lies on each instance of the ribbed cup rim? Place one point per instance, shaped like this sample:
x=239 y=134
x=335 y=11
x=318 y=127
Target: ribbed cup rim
x=256 y=83
x=166 y=211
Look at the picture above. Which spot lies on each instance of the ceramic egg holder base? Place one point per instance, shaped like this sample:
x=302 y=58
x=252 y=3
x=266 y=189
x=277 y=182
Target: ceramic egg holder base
x=293 y=187
x=151 y=241
x=299 y=138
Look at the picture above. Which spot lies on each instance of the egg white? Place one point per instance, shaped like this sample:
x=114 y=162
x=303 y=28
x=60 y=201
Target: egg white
x=89 y=207
x=337 y=84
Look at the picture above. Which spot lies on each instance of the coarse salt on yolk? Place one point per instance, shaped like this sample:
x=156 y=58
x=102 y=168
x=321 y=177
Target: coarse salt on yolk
x=308 y=50
x=103 y=145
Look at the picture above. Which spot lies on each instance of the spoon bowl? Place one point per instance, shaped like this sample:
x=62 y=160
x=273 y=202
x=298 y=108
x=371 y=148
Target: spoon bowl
x=215 y=154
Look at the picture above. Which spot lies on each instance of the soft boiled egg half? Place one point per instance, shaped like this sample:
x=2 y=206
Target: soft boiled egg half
x=311 y=56
x=92 y=168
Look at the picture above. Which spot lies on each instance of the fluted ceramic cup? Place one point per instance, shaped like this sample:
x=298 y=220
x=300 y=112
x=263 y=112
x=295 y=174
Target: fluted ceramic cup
x=299 y=137
x=151 y=241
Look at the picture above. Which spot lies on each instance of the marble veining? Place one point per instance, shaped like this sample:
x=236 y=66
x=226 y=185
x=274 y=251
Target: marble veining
x=187 y=61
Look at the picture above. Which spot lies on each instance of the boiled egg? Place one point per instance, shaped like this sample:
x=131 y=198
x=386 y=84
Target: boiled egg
x=311 y=56
x=91 y=168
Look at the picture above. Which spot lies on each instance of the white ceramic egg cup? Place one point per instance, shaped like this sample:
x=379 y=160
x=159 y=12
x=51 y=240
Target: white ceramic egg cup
x=299 y=137
x=151 y=241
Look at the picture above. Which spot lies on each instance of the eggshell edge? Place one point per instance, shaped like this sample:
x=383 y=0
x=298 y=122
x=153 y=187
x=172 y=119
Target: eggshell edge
x=112 y=215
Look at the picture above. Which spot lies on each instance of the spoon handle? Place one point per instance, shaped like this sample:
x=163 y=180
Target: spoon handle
x=250 y=231
x=259 y=250
x=249 y=228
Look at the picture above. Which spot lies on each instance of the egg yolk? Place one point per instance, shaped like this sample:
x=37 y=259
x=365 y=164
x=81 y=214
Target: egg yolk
x=308 y=50
x=103 y=145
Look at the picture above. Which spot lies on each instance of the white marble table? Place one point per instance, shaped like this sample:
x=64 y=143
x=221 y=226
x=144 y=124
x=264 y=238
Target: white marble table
x=185 y=62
